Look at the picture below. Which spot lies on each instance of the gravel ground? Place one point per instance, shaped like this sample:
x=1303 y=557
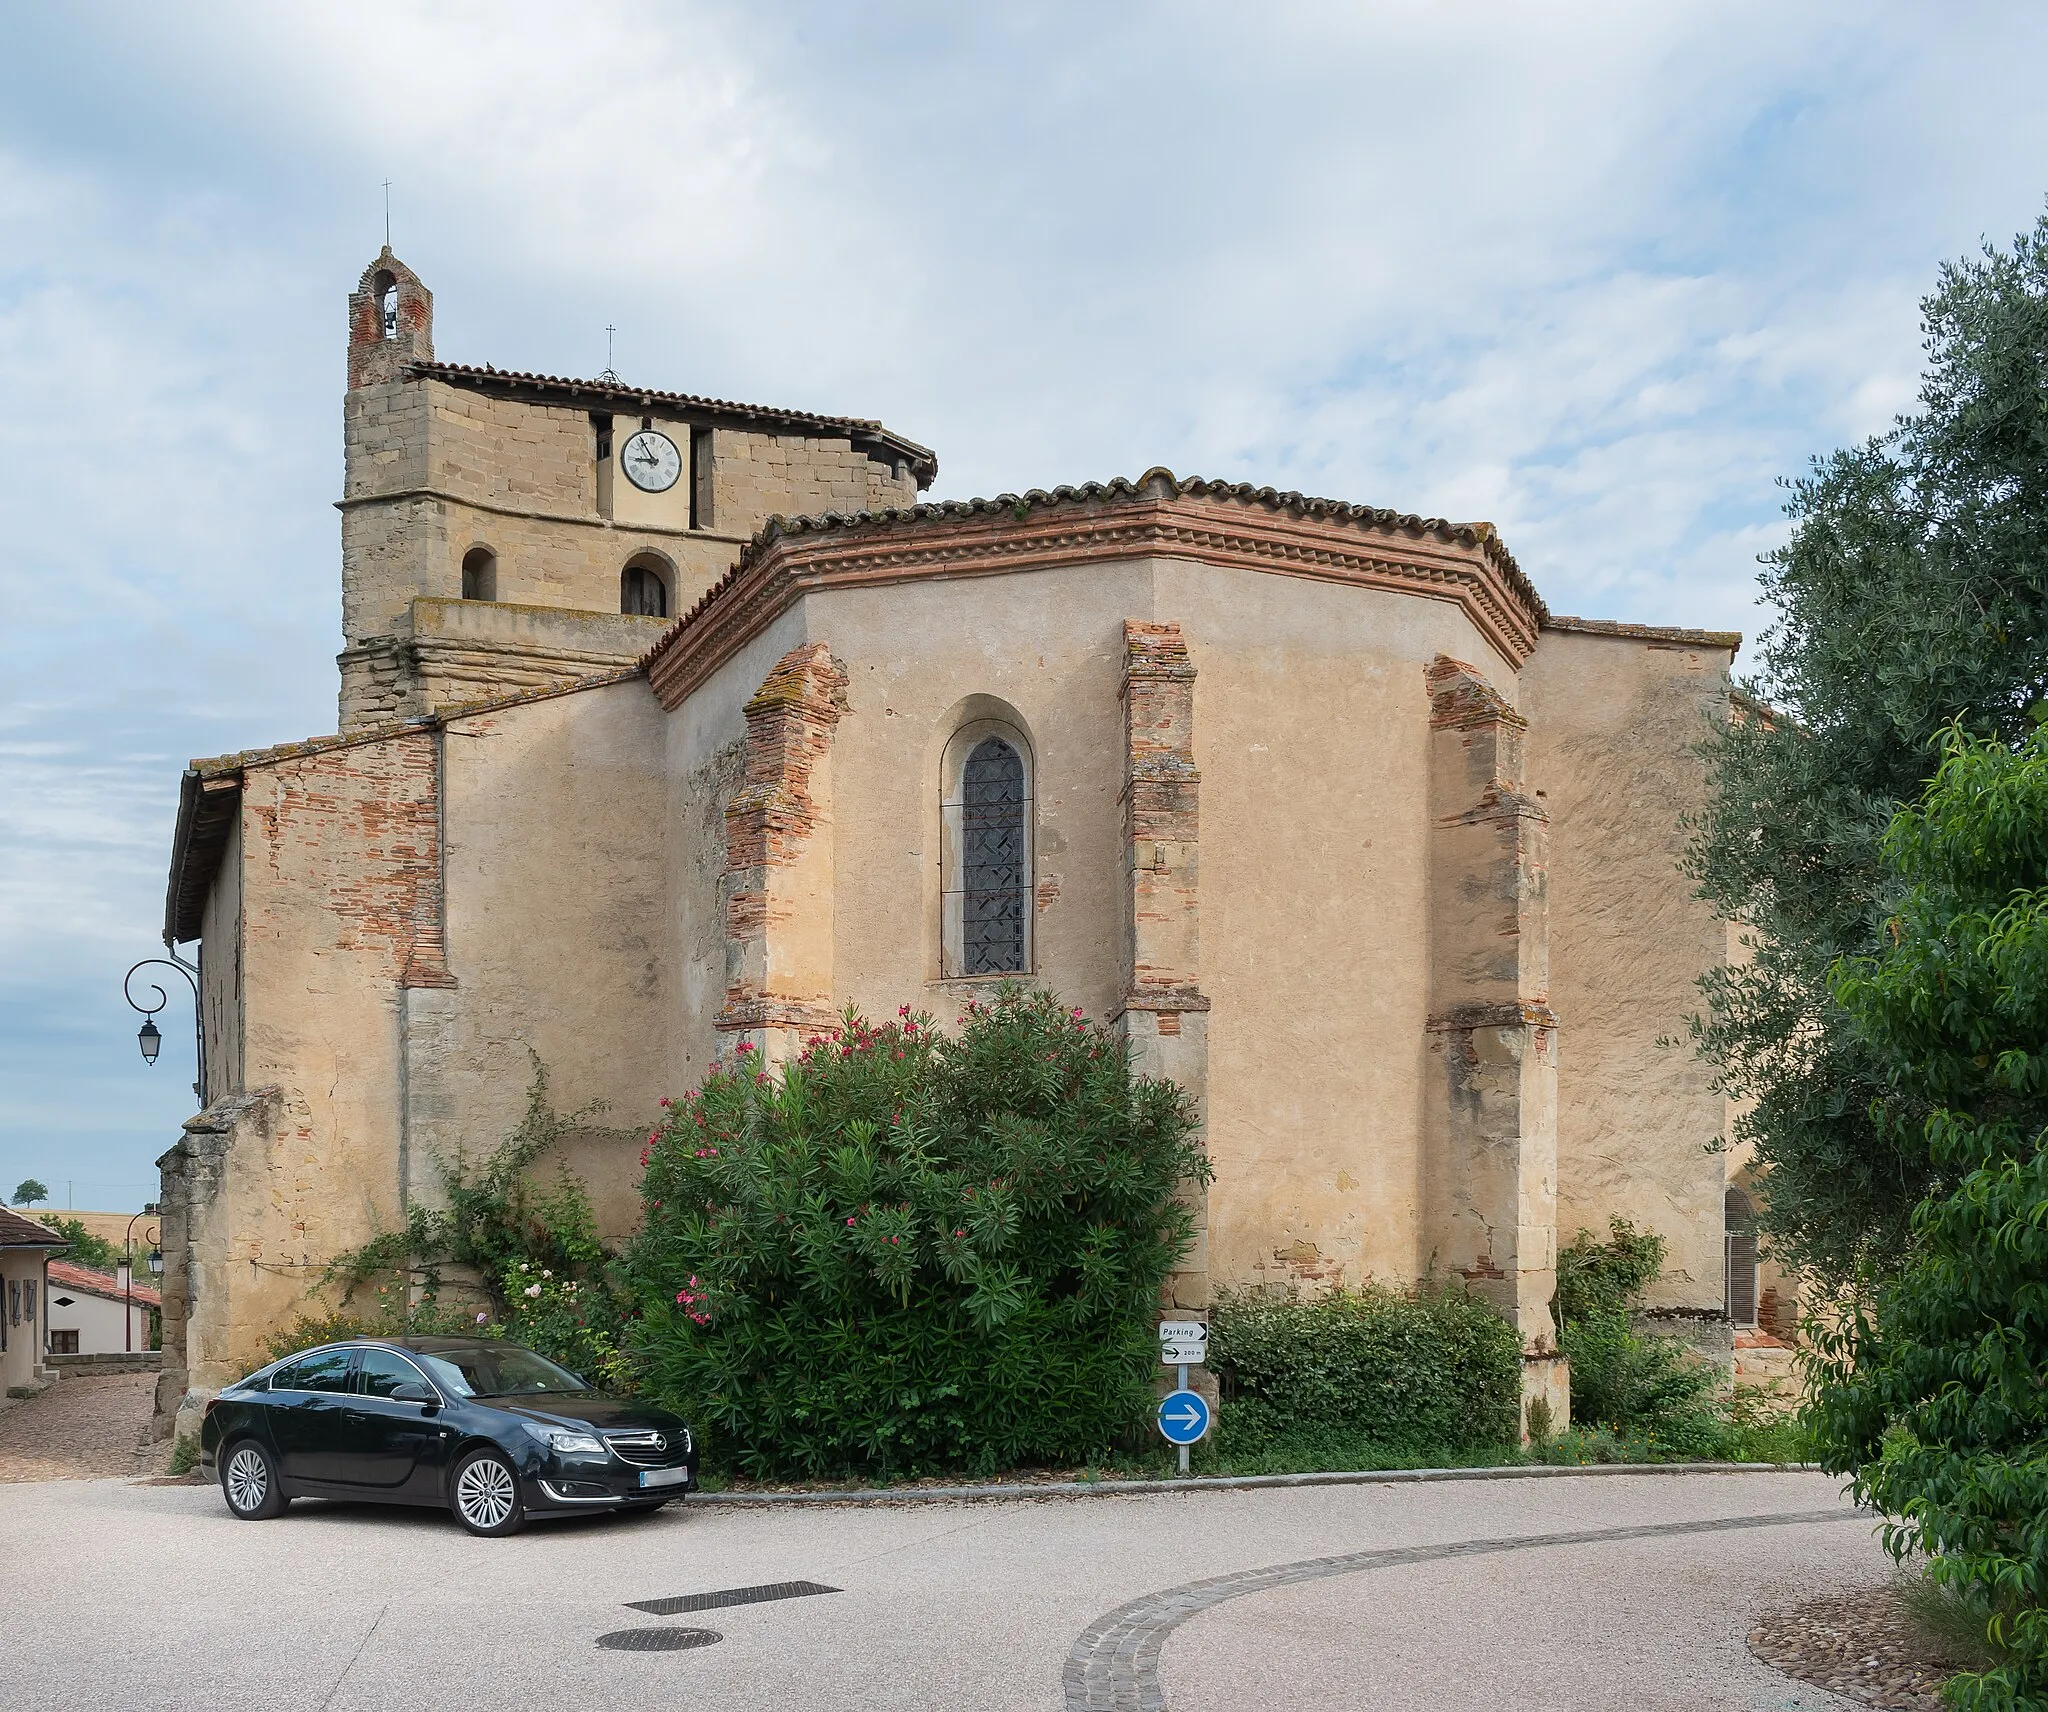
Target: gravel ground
x=84 y=1427
x=942 y=1606
x=1859 y=1645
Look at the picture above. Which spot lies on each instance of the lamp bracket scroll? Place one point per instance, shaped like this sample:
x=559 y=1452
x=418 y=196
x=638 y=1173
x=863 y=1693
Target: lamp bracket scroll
x=149 y=1037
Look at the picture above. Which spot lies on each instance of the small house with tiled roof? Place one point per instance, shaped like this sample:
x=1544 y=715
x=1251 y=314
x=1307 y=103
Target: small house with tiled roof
x=25 y=1250
x=97 y=1313
x=669 y=725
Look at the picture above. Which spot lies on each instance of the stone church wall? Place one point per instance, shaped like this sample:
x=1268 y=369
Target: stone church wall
x=1614 y=719
x=1312 y=737
x=553 y=822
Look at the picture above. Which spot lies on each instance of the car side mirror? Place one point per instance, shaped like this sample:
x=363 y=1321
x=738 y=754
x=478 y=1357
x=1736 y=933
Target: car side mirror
x=412 y=1391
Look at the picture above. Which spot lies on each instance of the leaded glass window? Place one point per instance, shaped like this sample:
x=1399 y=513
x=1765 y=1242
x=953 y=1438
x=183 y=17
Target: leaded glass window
x=993 y=887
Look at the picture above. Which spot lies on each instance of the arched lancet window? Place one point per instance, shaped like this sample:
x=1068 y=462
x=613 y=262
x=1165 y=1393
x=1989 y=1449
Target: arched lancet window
x=480 y=574
x=387 y=306
x=1740 y=1218
x=988 y=824
x=643 y=590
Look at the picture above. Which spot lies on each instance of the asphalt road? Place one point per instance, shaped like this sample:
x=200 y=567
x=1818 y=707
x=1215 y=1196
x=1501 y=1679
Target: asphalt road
x=127 y=1595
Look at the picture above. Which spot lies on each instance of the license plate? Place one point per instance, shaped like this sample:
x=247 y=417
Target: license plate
x=663 y=1476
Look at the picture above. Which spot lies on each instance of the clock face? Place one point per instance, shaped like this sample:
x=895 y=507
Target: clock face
x=651 y=461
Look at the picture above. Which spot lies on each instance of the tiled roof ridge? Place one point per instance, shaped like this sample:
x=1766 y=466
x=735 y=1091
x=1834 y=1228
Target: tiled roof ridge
x=94 y=1282
x=923 y=458
x=19 y=1232
x=213 y=766
x=1729 y=639
x=1157 y=482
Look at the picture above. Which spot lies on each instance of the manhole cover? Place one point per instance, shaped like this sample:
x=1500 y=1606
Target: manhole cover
x=658 y=1640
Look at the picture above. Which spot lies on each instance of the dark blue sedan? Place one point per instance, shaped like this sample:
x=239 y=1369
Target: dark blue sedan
x=493 y=1431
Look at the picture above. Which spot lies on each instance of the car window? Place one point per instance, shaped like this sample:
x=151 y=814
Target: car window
x=499 y=1370
x=327 y=1371
x=381 y=1372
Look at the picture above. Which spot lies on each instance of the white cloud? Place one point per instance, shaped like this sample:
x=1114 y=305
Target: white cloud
x=1599 y=272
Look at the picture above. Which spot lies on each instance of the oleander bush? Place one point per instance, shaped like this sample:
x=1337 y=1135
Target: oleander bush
x=905 y=1251
x=1433 y=1368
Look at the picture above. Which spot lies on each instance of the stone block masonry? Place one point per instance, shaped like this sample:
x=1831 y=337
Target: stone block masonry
x=777 y=890
x=1165 y=1015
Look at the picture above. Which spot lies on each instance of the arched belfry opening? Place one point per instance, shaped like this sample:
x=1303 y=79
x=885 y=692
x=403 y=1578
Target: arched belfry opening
x=390 y=322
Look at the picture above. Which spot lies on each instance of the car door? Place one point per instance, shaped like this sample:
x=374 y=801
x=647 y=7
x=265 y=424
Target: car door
x=306 y=1402
x=388 y=1438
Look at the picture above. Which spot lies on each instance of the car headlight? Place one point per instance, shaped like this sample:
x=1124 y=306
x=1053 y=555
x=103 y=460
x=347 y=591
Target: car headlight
x=563 y=1442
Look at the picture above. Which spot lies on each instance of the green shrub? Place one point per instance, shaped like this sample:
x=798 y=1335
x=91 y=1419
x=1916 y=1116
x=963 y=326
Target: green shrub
x=1433 y=1368
x=904 y=1252
x=1636 y=1385
x=1931 y=1389
x=533 y=1250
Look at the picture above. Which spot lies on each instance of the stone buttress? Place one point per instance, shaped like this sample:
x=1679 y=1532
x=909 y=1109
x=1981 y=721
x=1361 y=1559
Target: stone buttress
x=776 y=893
x=1490 y=1121
x=1165 y=1016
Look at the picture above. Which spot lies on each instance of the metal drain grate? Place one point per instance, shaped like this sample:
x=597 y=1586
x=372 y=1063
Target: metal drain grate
x=658 y=1640
x=729 y=1596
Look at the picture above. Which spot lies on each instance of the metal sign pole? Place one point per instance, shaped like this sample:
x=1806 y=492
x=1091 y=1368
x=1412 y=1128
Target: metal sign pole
x=1181 y=1384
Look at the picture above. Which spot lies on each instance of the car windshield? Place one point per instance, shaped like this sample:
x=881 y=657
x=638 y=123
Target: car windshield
x=501 y=1370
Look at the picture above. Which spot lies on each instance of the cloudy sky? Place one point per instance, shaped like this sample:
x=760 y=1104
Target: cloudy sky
x=1599 y=272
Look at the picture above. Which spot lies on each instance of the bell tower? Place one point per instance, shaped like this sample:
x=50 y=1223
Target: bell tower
x=390 y=322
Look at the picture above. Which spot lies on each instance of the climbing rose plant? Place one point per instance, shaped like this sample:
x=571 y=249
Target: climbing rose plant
x=906 y=1251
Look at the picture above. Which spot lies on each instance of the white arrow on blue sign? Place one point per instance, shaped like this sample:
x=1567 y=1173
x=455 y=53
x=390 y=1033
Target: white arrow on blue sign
x=1183 y=1417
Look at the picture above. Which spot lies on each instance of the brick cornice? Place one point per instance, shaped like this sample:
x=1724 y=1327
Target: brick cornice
x=1244 y=528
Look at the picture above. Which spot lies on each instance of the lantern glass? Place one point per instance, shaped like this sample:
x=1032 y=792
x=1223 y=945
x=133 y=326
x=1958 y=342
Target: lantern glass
x=150 y=1038
x=156 y=1263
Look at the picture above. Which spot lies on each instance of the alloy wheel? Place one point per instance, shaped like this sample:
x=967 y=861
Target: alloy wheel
x=485 y=1493
x=248 y=1480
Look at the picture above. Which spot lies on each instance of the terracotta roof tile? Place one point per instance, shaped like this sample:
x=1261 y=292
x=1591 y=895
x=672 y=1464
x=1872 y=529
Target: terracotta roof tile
x=18 y=1232
x=601 y=394
x=1481 y=535
x=66 y=1275
x=1729 y=639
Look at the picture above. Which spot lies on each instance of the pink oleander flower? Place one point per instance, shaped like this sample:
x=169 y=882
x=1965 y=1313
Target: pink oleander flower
x=744 y=1046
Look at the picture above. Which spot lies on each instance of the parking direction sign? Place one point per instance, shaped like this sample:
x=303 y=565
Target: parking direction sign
x=1183 y=1343
x=1183 y=1417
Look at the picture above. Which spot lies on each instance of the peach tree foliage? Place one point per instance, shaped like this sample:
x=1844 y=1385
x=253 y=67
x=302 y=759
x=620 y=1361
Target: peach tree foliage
x=1931 y=1388
x=906 y=1251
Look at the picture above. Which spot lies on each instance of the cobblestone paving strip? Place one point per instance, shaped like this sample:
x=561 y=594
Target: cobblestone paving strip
x=85 y=1427
x=1114 y=1666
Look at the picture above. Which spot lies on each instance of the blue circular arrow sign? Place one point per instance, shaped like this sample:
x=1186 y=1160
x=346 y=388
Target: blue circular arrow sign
x=1183 y=1417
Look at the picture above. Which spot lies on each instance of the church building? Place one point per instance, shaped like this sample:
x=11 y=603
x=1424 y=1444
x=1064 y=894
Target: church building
x=668 y=723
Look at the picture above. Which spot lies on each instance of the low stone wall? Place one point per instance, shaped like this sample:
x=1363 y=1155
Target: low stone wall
x=139 y=1361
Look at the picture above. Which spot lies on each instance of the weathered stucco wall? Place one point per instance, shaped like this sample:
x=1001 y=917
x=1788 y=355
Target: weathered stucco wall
x=1613 y=722
x=704 y=738
x=560 y=929
x=921 y=660
x=1311 y=736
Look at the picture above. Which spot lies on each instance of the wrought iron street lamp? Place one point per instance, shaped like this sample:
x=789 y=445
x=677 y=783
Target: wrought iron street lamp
x=156 y=1266
x=149 y=1037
